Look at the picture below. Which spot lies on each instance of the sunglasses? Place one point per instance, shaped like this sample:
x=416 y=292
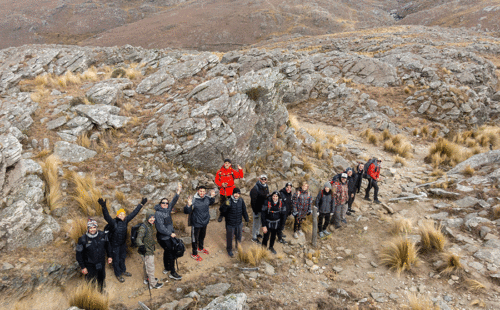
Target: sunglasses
x=164 y=203
x=264 y=179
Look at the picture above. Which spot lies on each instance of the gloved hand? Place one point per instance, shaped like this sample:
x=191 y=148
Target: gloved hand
x=102 y=202
x=142 y=250
x=308 y=212
x=144 y=200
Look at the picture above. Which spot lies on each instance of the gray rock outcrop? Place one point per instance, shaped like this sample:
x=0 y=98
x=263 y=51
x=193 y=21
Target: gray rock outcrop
x=72 y=153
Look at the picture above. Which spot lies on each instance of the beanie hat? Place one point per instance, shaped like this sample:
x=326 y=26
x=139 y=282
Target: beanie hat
x=91 y=223
x=227 y=160
x=348 y=169
x=236 y=191
x=275 y=193
x=150 y=214
x=288 y=184
x=120 y=211
x=343 y=175
x=328 y=185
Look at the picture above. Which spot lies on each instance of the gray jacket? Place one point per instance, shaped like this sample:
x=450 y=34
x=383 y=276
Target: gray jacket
x=163 y=220
x=200 y=210
x=325 y=202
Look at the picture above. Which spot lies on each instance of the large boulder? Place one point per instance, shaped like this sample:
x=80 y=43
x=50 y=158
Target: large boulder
x=72 y=152
x=477 y=160
x=102 y=115
x=108 y=91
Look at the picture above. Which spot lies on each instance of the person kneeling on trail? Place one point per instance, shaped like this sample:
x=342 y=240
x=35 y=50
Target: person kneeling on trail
x=340 y=194
x=91 y=252
x=224 y=178
x=146 y=243
x=301 y=208
x=118 y=236
x=234 y=211
x=325 y=204
x=273 y=214
x=165 y=232
x=198 y=208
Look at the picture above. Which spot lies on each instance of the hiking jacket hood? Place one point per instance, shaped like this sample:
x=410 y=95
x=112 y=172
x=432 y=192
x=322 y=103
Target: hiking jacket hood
x=145 y=234
x=163 y=220
x=200 y=210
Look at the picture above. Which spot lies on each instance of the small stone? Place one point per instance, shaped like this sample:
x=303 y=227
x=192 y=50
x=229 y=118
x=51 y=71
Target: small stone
x=337 y=269
x=7 y=266
x=374 y=265
x=23 y=260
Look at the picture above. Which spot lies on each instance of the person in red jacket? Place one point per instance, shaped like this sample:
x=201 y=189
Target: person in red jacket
x=224 y=178
x=373 y=177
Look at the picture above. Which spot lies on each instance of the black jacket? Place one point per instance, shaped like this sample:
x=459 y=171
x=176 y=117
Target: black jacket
x=234 y=211
x=359 y=178
x=286 y=198
x=325 y=202
x=200 y=209
x=352 y=183
x=92 y=251
x=271 y=212
x=258 y=196
x=163 y=220
x=118 y=231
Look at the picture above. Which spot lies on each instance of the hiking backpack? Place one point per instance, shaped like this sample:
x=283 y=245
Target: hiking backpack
x=365 y=168
x=178 y=247
x=133 y=233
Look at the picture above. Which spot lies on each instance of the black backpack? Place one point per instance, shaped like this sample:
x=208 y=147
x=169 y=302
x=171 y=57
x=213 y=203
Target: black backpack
x=365 y=168
x=178 y=247
x=133 y=233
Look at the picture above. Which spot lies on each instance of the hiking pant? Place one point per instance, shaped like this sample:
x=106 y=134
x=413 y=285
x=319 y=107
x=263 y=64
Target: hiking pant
x=236 y=231
x=149 y=269
x=351 y=200
x=297 y=223
x=340 y=213
x=223 y=200
x=197 y=238
x=119 y=253
x=168 y=255
x=96 y=275
x=280 y=231
x=372 y=183
x=272 y=233
x=323 y=226
x=256 y=225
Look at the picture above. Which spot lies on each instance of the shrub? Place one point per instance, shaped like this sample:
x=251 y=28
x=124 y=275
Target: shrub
x=255 y=93
x=398 y=145
x=386 y=135
x=132 y=72
x=319 y=149
x=85 y=193
x=373 y=139
x=474 y=285
x=78 y=228
x=468 y=171
x=308 y=166
x=400 y=254
x=496 y=212
x=431 y=237
x=424 y=131
x=415 y=132
x=53 y=194
x=421 y=303
x=401 y=226
x=87 y=296
x=451 y=265
x=253 y=255
x=434 y=133
x=67 y=79
x=400 y=160
x=447 y=152
x=118 y=73
x=90 y=74
x=83 y=140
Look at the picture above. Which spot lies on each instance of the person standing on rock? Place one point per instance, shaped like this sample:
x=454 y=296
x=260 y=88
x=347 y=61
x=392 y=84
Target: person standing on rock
x=301 y=202
x=91 y=252
x=326 y=205
x=234 y=210
x=118 y=236
x=352 y=181
x=165 y=232
x=341 y=196
x=258 y=196
x=286 y=199
x=198 y=208
x=146 y=247
x=224 y=178
x=373 y=174
x=273 y=214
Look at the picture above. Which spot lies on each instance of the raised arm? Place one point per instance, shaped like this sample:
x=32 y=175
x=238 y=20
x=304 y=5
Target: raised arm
x=136 y=210
x=105 y=213
x=238 y=174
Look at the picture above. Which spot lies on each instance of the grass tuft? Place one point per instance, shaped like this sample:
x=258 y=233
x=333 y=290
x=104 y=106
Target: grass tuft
x=401 y=226
x=83 y=140
x=400 y=254
x=87 y=296
x=424 y=132
x=398 y=145
x=85 y=193
x=451 y=265
x=78 y=228
x=53 y=193
x=421 y=303
x=253 y=255
x=474 y=285
x=400 y=160
x=468 y=171
x=431 y=237
x=446 y=152
x=496 y=212
x=120 y=196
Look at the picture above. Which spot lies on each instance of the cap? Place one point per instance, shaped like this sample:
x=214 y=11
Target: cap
x=227 y=160
x=236 y=191
x=343 y=175
x=263 y=176
x=288 y=184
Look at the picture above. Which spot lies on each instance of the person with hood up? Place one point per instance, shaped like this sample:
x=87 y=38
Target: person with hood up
x=340 y=194
x=146 y=247
x=234 y=210
x=286 y=199
x=352 y=181
x=258 y=196
x=91 y=251
x=224 y=178
x=198 y=208
x=373 y=178
x=273 y=214
x=326 y=205
x=165 y=232
x=301 y=202
x=118 y=236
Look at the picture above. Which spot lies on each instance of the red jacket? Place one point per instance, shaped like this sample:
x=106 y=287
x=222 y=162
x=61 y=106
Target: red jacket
x=224 y=175
x=374 y=171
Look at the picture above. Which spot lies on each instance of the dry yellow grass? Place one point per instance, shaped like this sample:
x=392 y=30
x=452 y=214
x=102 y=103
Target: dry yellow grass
x=446 y=152
x=399 y=254
x=398 y=145
x=67 y=79
x=319 y=149
x=120 y=196
x=400 y=226
x=85 y=193
x=386 y=135
x=437 y=172
x=42 y=153
x=132 y=72
x=434 y=133
x=424 y=132
x=40 y=93
x=87 y=296
x=89 y=75
x=415 y=132
x=308 y=166
x=474 y=285
x=400 y=160
x=431 y=237
x=78 y=228
x=373 y=139
x=468 y=171
x=253 y=255
x=293 y=122
x=496 y=212
x=421 y=303
x=83 y=140
x=53 y=194
x=451 y=264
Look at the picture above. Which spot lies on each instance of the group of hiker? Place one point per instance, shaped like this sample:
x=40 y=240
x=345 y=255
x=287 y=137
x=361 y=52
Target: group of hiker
x=270 y=212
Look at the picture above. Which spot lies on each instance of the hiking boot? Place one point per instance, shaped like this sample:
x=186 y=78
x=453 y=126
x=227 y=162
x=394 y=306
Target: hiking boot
x=127 y=274
x=174 y=275
x=321 y=234
x=272 y=251
x=377 y=201
x=301 y=233
x=121 y=279
x=256 y=240
x=348 y=212
x=230 y=253
x=157 y=286
x=282 y=241
x=367 y=199
x=344 y=221
x=352 y=211
x=204 y=251
x=326 y=232
x=195 y=257
x=283 y=236
x=295 y=235
x=259 y=236
x=220 y=218
x=146 y=281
